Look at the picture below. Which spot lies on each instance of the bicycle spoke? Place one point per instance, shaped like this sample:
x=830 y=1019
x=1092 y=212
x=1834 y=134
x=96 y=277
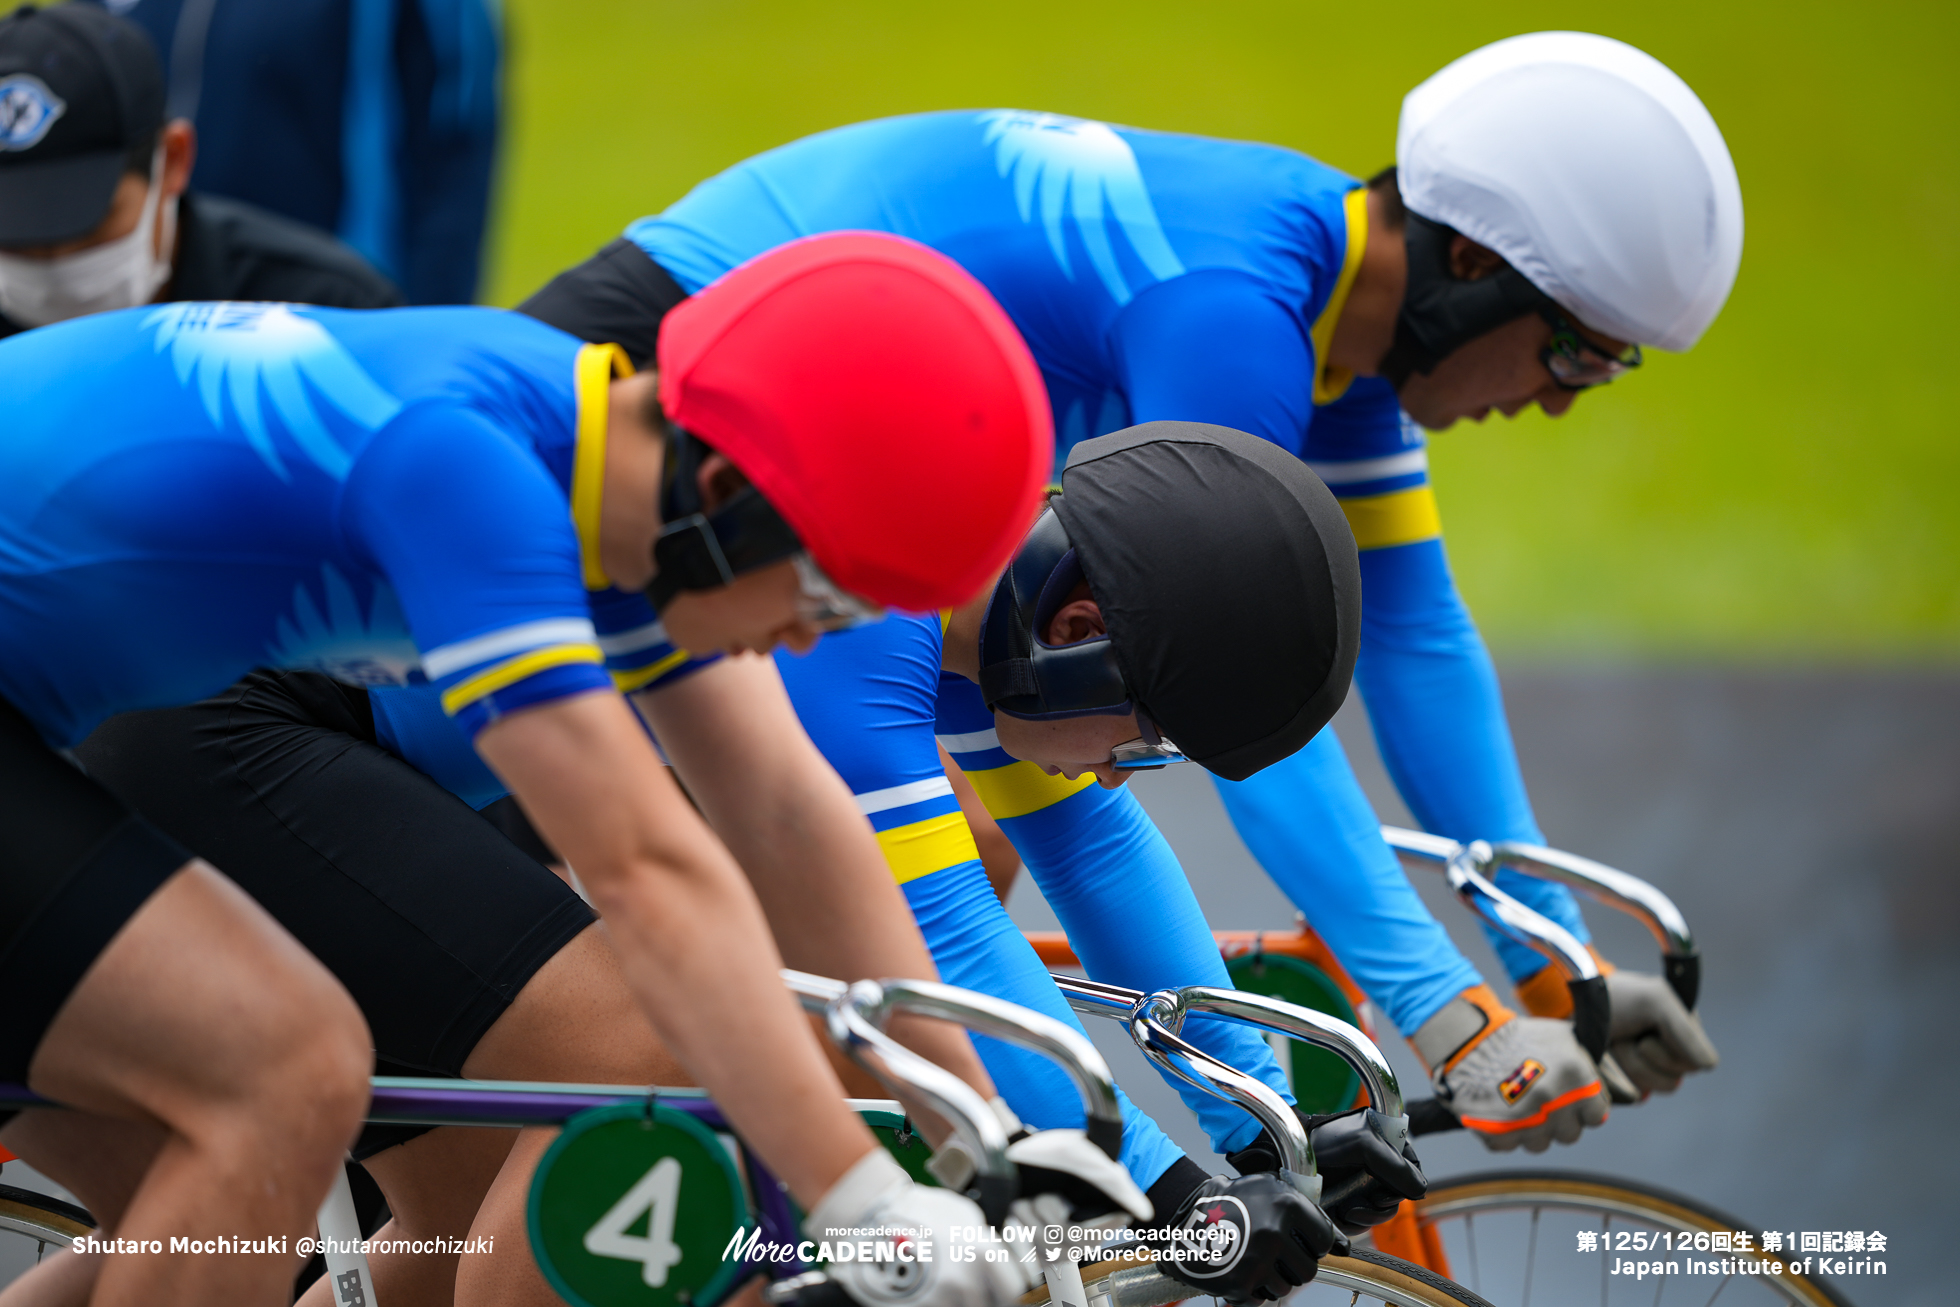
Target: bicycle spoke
x=1531 y=1254
x=1660 y=1286
x=1470 y=1234
x=1718 y=1290
x=1606 y=1246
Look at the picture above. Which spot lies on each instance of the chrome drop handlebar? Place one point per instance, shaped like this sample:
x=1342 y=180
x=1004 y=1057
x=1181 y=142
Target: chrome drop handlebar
x=1680 y=960
x=849 y=1013
x=1058 y=1041
x=1156 y=1021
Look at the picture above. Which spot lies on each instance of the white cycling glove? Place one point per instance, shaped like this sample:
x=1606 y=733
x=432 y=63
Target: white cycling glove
x=1653 y=1038
x=1513 y=1081
x=876 y=1193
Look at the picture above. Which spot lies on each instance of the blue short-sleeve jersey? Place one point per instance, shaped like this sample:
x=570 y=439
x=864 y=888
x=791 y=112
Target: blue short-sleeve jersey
x=193 y=490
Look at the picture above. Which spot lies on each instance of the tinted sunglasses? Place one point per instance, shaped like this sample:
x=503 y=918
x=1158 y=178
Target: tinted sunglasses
x=1575 y=362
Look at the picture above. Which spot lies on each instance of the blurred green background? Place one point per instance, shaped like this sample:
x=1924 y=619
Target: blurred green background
x=1787 y=492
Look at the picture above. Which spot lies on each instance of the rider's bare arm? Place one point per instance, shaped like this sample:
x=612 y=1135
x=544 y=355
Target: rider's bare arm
x=791 y=822
x=678 y=910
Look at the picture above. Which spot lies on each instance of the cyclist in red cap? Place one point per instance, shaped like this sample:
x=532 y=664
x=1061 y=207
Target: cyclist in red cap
x=463 y=498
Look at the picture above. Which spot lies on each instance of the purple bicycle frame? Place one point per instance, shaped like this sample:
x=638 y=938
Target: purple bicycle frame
x=409 y=1101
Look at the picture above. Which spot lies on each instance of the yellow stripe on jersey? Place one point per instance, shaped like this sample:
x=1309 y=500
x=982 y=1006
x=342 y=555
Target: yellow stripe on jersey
x=1329 y=384
x=1400 y=518
x=639 y=678
x=1021 y=788
x=513 y=670
x=928 y=846
x=594 y=369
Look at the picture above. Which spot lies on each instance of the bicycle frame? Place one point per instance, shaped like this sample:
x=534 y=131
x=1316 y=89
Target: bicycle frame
x=854 y=1015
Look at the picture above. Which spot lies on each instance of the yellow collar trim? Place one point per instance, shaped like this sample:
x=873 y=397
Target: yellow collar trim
x=1329 y=384
x=592 y=376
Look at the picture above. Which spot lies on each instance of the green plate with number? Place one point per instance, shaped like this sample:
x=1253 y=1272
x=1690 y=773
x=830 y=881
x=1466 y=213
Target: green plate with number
x=631 y=1209
x=1322 y=1082
x=902 y=1142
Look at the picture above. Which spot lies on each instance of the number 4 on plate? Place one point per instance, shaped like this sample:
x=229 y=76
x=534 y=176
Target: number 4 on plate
x=657 y=1197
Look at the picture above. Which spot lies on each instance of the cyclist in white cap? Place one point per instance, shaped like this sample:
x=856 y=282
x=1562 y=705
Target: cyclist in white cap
x=1561 y=201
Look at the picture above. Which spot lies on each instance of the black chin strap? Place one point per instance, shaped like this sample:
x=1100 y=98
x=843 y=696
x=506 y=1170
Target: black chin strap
x=705 y=551
x=1441 y=312
x=1023 y=675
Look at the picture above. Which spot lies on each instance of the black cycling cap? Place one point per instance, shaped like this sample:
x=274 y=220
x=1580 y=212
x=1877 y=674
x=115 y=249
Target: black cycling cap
x=81 y=102
x=1229 y=580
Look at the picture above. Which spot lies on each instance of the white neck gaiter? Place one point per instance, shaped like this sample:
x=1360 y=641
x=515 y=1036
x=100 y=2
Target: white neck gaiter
x=119 y=274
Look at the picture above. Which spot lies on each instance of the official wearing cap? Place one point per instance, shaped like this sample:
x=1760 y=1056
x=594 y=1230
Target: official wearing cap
x=94 y=214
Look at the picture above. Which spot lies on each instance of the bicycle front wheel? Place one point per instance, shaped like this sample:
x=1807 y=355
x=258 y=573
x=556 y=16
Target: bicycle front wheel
x=1516 y=1236
x=1365 y=1277
x=31 y=1224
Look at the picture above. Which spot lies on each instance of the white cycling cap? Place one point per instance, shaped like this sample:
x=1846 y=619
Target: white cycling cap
x=1592 y=169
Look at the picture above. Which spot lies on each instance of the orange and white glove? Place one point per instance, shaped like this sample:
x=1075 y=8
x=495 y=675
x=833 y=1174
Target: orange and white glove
x=1513 y=1081
x=1654 y=1039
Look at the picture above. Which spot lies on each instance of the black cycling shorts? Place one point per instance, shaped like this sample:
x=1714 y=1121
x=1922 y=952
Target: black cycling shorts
x=426 y=912
x=75 y=865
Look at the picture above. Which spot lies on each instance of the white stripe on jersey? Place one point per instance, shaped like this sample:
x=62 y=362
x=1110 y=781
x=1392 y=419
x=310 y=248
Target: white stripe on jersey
x=1351 y=471
x=971 y=742
x=898 y=796
x=626 y=642
x=444 y=659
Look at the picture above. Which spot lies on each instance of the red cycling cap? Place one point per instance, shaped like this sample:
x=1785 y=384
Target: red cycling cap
x=879 y=399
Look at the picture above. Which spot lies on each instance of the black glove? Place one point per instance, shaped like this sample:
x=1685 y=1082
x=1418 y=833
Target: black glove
x=1268 y=1238
x=1363 y=1180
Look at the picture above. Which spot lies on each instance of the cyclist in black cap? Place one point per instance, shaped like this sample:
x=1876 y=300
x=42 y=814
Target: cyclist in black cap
x=94 y=210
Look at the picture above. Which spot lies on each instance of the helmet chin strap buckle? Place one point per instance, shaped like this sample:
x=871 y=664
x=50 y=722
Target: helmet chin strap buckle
x=701 y=550
x=710 y=544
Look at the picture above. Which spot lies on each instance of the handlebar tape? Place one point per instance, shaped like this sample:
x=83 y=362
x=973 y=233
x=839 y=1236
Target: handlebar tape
x=1592 y=1014
x=1347 y=1188
x=1427 y=1116
x=1106 y=1135
x=1683 y=977
x=995 y=1194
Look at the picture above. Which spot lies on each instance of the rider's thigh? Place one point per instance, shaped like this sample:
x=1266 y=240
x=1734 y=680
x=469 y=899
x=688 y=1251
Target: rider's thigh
x=204 y=1015
x=575 y=1019
x=435 y=1181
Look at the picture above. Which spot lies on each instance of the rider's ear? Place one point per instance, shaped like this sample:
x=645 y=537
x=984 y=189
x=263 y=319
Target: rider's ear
x=718 y=480
x=1078 y=619
x=1470 y=261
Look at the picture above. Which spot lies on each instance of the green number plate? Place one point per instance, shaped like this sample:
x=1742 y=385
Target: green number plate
x=632 y=1210
x=911 y=1149
x=1322 y=1082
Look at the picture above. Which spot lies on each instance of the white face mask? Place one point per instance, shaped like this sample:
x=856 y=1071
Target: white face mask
x=118 y=274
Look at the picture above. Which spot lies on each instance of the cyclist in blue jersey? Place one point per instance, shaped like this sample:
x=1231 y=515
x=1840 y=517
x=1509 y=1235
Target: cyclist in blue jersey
x=1561 y=199
x=473 y=501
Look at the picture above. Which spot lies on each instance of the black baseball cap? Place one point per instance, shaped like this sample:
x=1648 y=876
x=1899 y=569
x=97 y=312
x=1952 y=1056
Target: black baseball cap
x=81 y=102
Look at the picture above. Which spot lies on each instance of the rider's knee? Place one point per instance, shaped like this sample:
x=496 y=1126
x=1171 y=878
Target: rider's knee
x=312 y=1061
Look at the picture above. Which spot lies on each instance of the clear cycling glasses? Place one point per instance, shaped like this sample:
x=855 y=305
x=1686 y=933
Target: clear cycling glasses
x=1149 y=750
x=826 y=605
x=1575 y=362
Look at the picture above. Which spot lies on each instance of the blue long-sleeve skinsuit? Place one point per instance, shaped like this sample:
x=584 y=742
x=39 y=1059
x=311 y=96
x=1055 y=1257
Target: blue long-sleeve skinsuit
x=1153 y=276
x=1163 y=276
